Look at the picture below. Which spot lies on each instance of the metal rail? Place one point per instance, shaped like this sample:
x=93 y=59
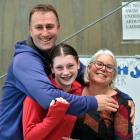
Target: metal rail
x=86 y=27
x=96 y=21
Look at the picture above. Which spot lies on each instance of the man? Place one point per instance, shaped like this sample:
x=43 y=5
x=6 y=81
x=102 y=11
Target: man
x=27 y=75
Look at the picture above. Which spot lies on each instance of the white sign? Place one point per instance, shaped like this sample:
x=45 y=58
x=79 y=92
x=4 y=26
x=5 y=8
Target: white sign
x=128 y=81
x=131 y=21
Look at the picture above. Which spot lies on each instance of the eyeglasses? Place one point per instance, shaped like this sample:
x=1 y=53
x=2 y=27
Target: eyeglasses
x=100 y=65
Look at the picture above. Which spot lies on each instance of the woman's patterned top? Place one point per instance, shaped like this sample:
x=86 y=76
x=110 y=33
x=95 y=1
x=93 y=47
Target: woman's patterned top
x=105 y=125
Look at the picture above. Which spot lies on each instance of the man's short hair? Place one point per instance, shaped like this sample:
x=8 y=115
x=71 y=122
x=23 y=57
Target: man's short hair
x=43 y=8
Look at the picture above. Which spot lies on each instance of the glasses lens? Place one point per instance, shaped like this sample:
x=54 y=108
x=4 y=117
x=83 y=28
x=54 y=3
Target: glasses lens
x=100 y=65
x=109 y=68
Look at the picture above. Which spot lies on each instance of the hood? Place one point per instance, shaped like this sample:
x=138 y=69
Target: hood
x=28 y=46
x=25 y=46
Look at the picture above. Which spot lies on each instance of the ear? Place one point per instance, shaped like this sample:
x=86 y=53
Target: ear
x=30 y=30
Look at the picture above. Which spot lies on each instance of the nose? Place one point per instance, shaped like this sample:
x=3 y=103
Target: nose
x=103 y=68
x=44 y=31
x=65 y=71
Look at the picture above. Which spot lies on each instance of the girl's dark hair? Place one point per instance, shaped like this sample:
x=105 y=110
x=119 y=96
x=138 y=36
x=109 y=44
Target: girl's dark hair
x=63 y=50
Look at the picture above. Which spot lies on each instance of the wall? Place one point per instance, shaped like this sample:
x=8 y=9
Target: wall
x=74 y=15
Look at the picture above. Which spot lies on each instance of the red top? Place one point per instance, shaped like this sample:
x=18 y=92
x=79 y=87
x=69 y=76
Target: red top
x=38 y=124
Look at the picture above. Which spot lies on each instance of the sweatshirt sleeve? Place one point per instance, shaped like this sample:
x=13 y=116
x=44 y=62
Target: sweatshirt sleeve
x=37 y=124
x=32 y=80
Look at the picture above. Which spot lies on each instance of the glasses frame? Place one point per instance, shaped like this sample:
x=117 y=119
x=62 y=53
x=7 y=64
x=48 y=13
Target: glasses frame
x=108 y=67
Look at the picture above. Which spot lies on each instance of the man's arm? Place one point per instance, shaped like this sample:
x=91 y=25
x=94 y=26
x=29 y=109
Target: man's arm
x=32 y=80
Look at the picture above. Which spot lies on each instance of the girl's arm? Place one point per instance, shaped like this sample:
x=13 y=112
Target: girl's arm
x=37 y=122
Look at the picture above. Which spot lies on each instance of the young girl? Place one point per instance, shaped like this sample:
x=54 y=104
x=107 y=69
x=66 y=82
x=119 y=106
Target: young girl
x=54 y=124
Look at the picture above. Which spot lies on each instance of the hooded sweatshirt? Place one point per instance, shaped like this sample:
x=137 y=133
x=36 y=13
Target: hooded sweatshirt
x=27 y=76
x=39 y=124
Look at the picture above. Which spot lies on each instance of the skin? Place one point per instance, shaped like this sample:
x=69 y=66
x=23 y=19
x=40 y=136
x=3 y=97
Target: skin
x=65 y=69
x=44 y=30
x=101 y=77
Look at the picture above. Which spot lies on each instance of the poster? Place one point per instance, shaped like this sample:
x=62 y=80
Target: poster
x=128 y=81
x=131 y=21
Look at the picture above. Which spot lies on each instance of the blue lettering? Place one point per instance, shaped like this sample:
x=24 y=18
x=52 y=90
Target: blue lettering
x=135 y=74
x=124 y=70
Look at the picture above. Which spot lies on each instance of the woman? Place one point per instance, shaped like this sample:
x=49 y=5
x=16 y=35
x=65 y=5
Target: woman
x=104 y=125
x=54 y=124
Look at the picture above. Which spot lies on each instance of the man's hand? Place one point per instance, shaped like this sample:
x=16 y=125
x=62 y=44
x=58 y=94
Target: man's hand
x=60 y=99
x=106 y=103
x=132 y=114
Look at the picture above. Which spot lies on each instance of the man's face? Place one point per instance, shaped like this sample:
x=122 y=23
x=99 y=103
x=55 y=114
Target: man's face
x=44 y=30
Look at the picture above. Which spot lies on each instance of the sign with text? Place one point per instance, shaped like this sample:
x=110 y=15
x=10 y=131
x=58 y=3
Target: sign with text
x=128 y=81
x=131 y=21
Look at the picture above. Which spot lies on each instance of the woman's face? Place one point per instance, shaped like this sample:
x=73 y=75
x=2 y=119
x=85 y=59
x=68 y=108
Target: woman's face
x=102 y=70
x=65 y=69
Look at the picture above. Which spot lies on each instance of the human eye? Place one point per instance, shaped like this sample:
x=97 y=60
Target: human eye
x=59 y=68
x=38 y=27
x=49 y=26
x=70 y=66
x=98 y=63
x=110 y=67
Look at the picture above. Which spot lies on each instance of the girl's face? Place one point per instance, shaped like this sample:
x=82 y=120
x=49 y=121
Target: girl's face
x=65 y=69
x=102 y=70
